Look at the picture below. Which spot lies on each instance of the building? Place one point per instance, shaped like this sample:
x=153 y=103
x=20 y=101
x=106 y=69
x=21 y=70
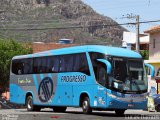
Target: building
x=154 y=46
x=129 y=40
x=40 y=46
x=154 y=49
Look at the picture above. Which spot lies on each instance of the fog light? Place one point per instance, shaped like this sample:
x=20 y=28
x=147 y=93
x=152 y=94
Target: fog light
x=101 y=101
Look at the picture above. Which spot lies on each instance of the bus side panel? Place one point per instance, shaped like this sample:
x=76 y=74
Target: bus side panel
x=63 y=96
x=17 y=94
x=13 y=93
x=16 y=91
x=20 y=85
x=90 y=90
x=44 y=85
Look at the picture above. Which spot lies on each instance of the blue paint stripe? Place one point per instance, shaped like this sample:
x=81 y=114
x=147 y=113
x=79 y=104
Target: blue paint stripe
x=35 y=81
x=41 y=76
x=50 y=75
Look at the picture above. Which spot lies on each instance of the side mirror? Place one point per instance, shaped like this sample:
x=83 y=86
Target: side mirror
x=151 y=67
x=108 y=65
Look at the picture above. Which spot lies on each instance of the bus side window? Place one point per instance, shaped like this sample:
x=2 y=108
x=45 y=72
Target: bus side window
x=84 y=64
x=80 y=63
x=76 y=63
x=56 y=63
x=62 y=64
x=43 y=66
x=50 y=63
x=36 y=65
x=17 y=67
x=94 y=56
x=69 y=63
x=28 y=66
x=22 y=66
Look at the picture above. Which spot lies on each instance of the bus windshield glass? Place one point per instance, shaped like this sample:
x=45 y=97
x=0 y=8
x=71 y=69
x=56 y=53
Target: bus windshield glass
x=128 y=75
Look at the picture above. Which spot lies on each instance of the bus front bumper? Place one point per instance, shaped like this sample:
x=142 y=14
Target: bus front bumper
x=115 y=103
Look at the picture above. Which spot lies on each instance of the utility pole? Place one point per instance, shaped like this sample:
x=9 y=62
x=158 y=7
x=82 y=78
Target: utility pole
x=131 y=16
x=137 y=34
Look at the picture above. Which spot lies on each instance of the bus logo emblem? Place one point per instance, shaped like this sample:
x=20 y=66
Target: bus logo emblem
x=45 y=90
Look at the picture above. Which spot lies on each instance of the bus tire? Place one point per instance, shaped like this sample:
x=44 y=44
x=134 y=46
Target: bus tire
x=86 y=106
x=37 y=108
x=119 y=112
x=29 y=104
x=59 y=109
x=157 y=108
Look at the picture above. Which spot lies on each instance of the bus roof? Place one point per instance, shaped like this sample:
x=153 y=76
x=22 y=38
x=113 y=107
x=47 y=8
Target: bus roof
x=113 y=51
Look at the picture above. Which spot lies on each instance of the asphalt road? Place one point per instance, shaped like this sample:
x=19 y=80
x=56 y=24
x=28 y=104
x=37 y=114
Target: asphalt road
x=75 y=114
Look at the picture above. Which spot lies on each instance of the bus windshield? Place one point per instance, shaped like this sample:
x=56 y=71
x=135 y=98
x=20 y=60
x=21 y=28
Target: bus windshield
x=128 y=75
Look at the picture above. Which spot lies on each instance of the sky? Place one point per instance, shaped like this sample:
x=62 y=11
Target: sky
x=118 y=10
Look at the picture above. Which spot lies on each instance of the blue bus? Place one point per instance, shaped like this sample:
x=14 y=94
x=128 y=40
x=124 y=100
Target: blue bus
x=93 y=77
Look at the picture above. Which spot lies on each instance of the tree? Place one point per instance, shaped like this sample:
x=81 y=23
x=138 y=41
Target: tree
x=145 y=54
x=9 y=49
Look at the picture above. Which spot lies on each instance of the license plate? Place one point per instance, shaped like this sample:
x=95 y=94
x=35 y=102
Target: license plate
x=130 y=105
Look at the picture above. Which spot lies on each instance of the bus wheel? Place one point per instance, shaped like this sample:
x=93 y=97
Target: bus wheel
x=119 y=112
x=29 y=103
x=158 y=108
x=86 y=106
x=37 y=108
x=59 y=109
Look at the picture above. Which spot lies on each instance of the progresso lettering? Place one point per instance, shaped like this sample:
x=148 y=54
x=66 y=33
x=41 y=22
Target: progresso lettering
x=77 y=78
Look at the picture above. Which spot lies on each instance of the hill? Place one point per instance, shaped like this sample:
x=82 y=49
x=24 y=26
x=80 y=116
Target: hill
x=50 y=20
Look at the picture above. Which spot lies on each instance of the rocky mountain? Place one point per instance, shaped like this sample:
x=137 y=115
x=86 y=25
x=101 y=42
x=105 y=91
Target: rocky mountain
x=50 y=20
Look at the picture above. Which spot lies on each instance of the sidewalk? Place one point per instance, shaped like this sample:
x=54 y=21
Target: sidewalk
x=140 y=112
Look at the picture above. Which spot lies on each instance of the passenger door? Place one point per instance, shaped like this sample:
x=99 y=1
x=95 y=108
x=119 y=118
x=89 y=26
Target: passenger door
x=102 y=80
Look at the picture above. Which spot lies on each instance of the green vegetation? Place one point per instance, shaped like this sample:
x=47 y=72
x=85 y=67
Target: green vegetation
x=9 y=49
x=145 y=54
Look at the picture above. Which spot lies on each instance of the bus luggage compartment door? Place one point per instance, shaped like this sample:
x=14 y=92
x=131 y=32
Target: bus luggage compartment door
x=65 y=95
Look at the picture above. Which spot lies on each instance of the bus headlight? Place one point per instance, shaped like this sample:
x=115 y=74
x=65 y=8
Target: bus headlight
x=110 y=95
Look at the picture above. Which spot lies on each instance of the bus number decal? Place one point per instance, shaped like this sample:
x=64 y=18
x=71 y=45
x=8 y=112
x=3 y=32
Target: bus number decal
x=77 y=78
x=45 y=90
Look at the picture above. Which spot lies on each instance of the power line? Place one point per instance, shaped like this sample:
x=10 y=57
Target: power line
x=150 y=23
x=74 y=27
